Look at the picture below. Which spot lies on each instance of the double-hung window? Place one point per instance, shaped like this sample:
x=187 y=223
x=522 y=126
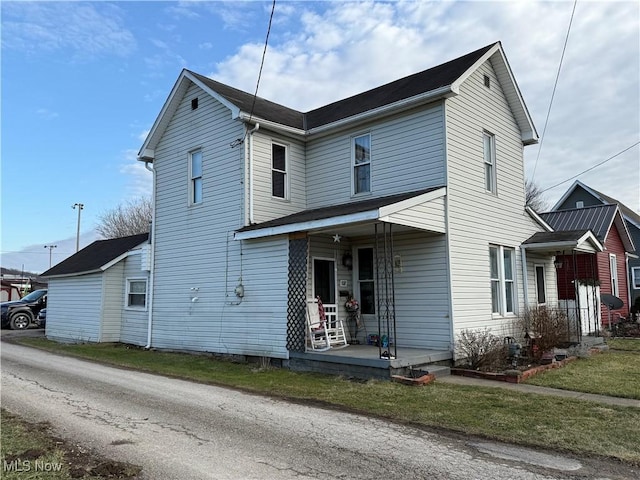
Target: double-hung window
x=489 y=149
x=366 y=282
x=279 y=171
x=613 y=266
x=137 y=293
x=361 y=162
x=195 y=175
x=502 y=269
x=541 y=290
x=635 y=277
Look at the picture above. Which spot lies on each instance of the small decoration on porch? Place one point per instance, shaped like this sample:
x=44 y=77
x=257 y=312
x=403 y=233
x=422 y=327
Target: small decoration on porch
x=336 y=238
x=351 y=305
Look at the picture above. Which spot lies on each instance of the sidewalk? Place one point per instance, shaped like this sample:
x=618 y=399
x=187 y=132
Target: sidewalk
x=524 y=388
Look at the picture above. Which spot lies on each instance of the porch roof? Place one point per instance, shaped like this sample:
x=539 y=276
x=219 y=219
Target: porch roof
x=578 y=240
x=402 y=209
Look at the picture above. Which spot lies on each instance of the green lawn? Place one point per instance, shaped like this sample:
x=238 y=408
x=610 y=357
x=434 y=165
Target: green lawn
x=615 y=372
x=527 y=419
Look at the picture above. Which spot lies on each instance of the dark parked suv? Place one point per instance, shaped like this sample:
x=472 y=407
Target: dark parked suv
x=19 y=314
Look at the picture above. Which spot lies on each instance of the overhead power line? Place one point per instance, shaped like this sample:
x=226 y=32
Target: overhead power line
x=553 y=93
x=264 y=53
x=591 y=168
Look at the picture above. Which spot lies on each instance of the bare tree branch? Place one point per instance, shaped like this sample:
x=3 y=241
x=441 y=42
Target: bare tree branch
x=131 y=218
x=534 y=197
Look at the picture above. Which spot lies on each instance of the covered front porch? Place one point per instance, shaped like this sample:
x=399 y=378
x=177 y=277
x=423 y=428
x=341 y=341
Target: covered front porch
x=386 y=255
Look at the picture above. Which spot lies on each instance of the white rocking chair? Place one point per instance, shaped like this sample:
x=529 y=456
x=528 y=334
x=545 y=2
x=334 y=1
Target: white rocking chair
x=324 y=333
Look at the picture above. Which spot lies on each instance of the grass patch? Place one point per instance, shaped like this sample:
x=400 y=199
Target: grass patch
x=30 y=452
x=615 y=372
x=504 y=415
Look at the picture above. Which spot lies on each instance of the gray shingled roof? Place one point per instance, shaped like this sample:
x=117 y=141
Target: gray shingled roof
x=551 y=237
x=404 y=88
x=336 y=210
x=597 y=218
x=96 y=255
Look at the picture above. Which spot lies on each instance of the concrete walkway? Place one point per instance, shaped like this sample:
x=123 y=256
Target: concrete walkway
x=524 y=388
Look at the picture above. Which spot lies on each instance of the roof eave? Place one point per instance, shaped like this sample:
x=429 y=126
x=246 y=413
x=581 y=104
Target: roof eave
x=385 y=110
x=271 y=125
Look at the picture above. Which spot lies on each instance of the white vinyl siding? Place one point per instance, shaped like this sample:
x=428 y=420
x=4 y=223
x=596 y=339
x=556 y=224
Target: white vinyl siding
x=474 y=218
x=133 y=328
x=266 y=206
x=407 y=155
x=421 y=300
x=111 y=310
x=195 y=248
x=74 y=308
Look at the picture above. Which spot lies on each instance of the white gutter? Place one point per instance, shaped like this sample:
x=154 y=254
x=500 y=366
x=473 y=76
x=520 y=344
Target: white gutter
x=308 y=225
x=271 y=125
x=152 y=234
x=250 y=134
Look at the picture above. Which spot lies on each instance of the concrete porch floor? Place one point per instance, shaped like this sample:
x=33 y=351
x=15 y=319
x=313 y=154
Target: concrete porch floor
x=364 y=361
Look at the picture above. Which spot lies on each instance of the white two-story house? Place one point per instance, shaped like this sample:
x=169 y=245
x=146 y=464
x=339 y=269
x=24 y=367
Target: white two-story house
x=409 y=197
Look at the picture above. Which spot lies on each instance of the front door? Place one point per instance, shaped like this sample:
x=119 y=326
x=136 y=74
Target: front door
x=324 y=280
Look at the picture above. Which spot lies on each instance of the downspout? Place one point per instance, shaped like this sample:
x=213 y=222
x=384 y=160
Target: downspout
x=525 y=280
x=250 y=134
x=152 y=235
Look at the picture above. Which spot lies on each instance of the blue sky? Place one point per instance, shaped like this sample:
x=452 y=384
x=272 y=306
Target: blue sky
x=82 y=83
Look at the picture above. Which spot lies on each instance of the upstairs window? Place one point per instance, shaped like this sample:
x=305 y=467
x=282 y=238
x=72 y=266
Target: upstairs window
x=279 y=171
x=195 y=175
x=502 y=268
x=489 y=145
x=361 y=151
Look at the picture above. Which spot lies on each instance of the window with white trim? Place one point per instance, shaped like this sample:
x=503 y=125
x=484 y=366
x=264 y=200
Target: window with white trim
x=137 y=293
x=613 y=267
x=541 y=287
x=279 y=187
x=502 y=269
x=361 y=162
x=635 y=277
x=195 y=176
x=366 y=282
x=489 y=150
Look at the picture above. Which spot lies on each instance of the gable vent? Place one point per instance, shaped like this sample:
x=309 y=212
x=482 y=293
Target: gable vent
x=487 y=81
x=194 y=103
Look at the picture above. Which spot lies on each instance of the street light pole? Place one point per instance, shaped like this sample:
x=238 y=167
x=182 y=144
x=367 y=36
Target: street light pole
x=50 y=247
x=80 y=207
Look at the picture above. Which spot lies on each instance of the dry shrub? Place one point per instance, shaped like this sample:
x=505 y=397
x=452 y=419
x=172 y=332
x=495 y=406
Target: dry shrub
x=549 y=327
x=481 y=349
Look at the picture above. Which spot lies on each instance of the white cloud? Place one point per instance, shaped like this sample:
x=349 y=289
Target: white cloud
x=351 y=47
x=138 y=177
x=46 y=114
x=87 y=29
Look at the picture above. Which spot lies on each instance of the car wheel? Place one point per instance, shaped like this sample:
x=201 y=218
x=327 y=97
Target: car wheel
x=20 y=321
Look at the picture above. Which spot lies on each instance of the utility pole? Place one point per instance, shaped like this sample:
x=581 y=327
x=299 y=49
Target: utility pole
x=80 y=206
x=50 y=247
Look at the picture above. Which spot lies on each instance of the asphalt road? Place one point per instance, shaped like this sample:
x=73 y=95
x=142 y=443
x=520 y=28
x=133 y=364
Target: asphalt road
x=182 y=430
